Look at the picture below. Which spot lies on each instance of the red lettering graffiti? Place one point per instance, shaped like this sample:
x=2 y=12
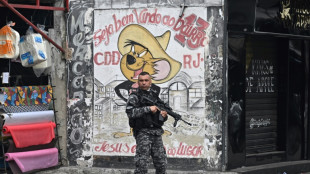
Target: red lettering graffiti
x=103 y=35
x=115 y=148
x=133 y=149
x=171 y=152
x=192 y=31
x=187 y=61
x=185 y=150
x=146 y=17
x=120 y=23
x=182 y=150
x=107 y=58
x=96 y=58
x=189 y=150
x=193 y=36
x=102 y=148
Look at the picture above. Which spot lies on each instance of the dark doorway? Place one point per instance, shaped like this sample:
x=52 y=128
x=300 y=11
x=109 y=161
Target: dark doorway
x=268 y=80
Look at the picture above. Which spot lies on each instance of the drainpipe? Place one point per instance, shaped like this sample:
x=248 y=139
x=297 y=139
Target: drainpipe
x=32 y=25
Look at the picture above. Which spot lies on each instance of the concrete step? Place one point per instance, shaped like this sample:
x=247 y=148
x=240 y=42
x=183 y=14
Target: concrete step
x=95 y=170
x=291 y=167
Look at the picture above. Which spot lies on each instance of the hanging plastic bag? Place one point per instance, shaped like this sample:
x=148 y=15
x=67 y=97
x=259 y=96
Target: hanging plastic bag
x=9 y=39
x=45 y=66
x=32 y=49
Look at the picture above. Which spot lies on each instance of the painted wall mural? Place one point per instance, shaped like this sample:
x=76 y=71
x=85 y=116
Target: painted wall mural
x=172 y=49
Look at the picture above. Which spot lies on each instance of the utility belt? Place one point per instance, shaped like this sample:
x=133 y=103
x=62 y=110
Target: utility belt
x=150 y=130
x=148 y=121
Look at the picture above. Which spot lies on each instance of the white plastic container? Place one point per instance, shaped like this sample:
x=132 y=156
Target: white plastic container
x=32 y=50
x=44 y=66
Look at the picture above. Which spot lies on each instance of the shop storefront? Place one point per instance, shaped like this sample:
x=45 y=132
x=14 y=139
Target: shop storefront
x=29 y=137
x=268 y=82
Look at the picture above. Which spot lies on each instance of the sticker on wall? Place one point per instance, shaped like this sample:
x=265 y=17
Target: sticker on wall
x=171 y=49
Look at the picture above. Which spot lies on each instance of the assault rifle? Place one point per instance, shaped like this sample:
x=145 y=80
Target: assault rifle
x=165 y=107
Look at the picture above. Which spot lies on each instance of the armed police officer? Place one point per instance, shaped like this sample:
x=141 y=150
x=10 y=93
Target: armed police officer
x=147 y=122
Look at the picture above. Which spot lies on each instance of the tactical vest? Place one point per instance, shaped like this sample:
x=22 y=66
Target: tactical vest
x=148 y=120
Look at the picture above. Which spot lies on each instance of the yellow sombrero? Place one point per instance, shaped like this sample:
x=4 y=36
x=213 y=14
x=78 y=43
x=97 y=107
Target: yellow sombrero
x=155 y=45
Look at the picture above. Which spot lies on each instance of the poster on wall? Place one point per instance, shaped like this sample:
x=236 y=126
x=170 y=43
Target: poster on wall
x=171 y=47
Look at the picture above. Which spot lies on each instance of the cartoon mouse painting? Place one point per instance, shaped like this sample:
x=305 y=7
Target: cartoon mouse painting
x=141 y=51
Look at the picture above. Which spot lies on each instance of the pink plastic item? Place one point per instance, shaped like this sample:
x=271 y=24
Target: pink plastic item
x=31 y=160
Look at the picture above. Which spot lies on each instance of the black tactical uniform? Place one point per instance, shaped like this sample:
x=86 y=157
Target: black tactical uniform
x=147 y=131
